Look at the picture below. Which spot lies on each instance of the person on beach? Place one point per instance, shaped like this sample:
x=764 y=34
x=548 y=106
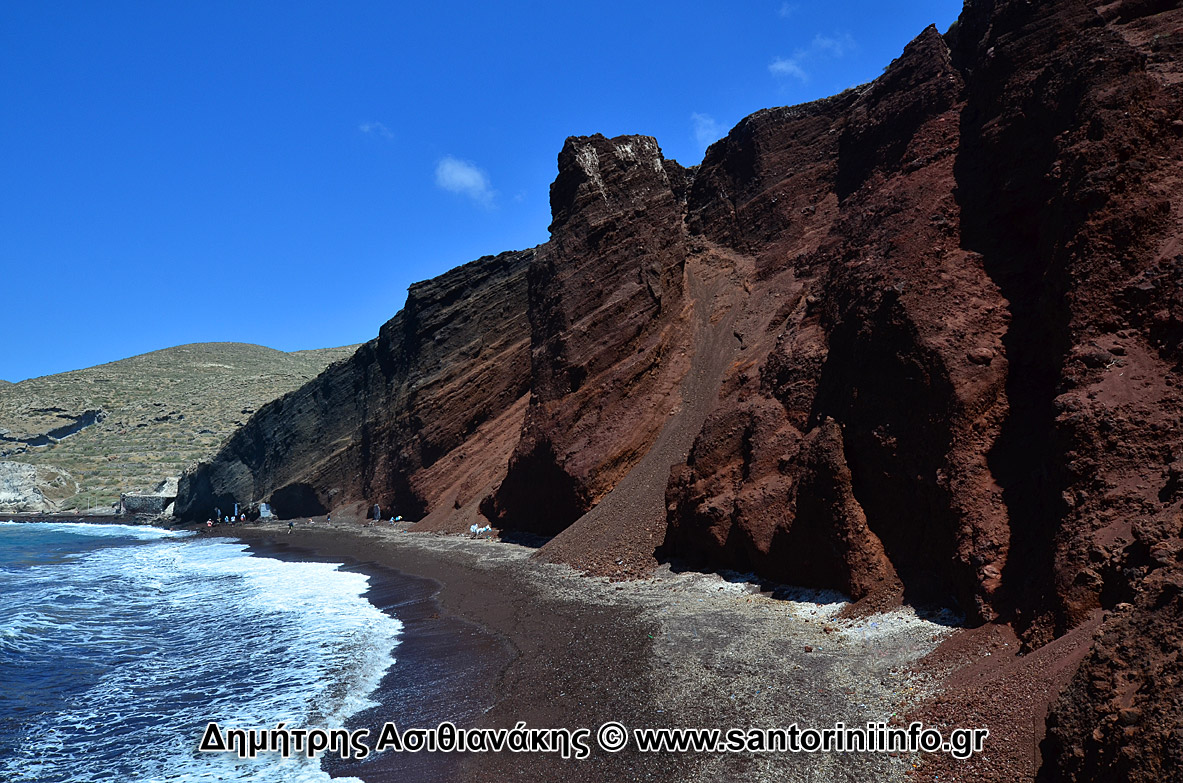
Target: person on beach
x=291 y=526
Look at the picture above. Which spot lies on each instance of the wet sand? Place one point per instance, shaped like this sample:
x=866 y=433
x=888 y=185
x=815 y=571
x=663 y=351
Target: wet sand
x=493 y=636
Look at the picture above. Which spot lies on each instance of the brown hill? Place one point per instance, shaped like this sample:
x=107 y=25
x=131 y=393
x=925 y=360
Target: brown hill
x=919 y=341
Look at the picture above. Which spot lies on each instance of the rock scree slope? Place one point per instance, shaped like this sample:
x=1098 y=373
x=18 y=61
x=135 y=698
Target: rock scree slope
x=921 y=341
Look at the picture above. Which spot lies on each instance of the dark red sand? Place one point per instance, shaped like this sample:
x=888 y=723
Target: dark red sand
x=483 y=648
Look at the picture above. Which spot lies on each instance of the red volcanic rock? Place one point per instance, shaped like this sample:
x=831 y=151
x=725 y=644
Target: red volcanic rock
x=919 y=341
x=450 y=369
x=870 y=357
x=607 y=315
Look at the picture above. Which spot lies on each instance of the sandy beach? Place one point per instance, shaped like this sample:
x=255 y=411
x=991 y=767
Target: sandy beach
x=493 y=636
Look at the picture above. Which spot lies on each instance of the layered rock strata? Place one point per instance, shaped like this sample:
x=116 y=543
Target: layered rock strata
x=919 y=341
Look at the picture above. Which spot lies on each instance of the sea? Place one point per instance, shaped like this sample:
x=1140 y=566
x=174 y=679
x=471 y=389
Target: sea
x=119 y=644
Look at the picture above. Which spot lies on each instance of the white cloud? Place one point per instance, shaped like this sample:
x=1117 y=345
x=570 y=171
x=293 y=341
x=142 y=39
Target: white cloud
x=790 y=67
x=463 y=177
x=822 y=47
x=375 y=129
x=835 y=45
x=787 y=10
x=706 y=130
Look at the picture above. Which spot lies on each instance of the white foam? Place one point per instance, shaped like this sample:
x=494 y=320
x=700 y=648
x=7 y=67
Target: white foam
x=185 y=632
x=96 y=530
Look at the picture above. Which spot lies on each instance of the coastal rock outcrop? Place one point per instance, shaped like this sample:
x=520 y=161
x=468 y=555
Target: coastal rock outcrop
x=920 y=341
x=851 y=445
x=32 y=489
x=608 y=318
x=388 y=424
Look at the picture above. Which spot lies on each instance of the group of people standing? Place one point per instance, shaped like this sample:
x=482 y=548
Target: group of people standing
x=373 y=517
x=226 y=520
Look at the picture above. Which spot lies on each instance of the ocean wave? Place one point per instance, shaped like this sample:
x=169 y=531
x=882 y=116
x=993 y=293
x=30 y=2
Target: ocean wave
x=136 y=646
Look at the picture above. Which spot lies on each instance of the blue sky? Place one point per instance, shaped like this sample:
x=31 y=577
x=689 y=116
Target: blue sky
x=279 y=173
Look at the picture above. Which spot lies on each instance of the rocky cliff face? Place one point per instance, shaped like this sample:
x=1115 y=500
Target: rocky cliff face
x=30 y=489
x=388 y=425
x=919 y=341
x=1084 y=101
x=851 y=444
x=607 y=319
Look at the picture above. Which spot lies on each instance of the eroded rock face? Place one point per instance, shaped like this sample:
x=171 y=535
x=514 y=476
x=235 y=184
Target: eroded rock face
x=607 y=313
x=918 y=341
x=445 y=370
x=851 y=452
x=1083 y=98
x=31 y=489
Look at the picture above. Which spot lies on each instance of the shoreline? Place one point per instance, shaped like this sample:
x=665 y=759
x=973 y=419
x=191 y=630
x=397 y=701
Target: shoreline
x=493 y=635
x=81 y=519
x=442 y=657
x=501 y=650
x=524 y=640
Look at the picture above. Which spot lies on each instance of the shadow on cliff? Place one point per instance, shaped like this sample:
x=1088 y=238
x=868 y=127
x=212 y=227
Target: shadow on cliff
x=895 y=452
x=1001 y=180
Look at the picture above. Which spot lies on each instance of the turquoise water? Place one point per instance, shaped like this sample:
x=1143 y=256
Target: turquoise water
x=119 y=643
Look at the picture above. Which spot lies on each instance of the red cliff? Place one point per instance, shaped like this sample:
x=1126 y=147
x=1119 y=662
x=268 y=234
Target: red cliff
x=920 y=342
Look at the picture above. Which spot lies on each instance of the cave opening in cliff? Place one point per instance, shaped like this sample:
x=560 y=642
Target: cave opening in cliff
x=297 y=500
